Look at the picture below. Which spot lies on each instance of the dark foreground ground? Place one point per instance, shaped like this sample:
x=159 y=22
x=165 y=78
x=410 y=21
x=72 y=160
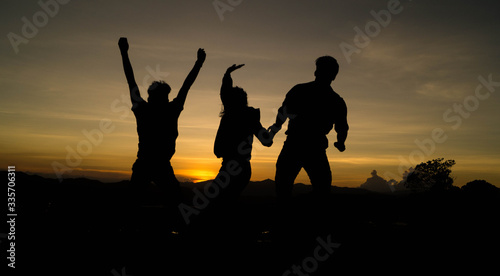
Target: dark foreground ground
x=81 y=227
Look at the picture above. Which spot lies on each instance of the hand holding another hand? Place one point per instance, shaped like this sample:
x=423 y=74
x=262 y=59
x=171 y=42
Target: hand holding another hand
x=273 y=129
x=267 y=138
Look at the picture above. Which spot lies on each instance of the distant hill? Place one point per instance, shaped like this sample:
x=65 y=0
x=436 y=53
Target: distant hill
x=266 y=188
x=38 y=189
x=81 y=187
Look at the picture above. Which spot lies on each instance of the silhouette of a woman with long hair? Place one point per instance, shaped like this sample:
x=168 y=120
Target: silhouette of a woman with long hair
x=239 y=123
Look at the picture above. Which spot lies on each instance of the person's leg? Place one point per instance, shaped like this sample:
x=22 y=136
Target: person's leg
x=139 y=181
x=288 y=167
x=168 y=185
x=317 y=167
x=135 y=199
x=140 y=176
x=237 y=181
x=284 y=223
x=170 y=193
x=224 y=210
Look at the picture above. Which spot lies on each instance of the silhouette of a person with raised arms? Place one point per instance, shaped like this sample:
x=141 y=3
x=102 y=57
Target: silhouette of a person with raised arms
x=233 y=143
x=157 y=127
x=313 y=109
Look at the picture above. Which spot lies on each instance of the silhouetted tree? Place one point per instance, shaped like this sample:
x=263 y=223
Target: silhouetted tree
x=480 y=187
x=431 y=175
x=401 y=185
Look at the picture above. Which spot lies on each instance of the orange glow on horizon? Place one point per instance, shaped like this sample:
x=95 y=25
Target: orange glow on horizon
x=198 y=175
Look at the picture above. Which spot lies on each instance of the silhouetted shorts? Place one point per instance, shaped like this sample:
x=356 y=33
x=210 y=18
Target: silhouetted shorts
x=145 y=172
x=236 y=182
x=294 y=157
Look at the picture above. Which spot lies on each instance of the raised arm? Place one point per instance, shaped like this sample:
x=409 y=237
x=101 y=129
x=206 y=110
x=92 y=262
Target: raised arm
x=135 y=95
x=191 y=77
x=227 y=81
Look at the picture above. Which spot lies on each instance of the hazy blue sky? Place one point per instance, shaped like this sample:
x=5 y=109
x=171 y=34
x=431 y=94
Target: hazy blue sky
x=402 y=79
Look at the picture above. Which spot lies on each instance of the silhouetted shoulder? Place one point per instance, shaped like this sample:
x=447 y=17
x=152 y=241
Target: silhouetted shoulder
x=302 y=87
x=337 y=96
x=139 y=105
x=254 y=113
x=339 y=102
x=306 y=84
x=296 y=93
x=176 y=105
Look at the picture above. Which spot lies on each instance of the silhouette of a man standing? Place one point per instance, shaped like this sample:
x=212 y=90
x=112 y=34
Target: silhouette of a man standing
x=313 y=109
x=157 y=127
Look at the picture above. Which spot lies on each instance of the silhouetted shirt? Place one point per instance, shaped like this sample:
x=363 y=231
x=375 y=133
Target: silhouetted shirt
x=235 y=134
x=237 y=126
x=157 y=127
x=313 y=110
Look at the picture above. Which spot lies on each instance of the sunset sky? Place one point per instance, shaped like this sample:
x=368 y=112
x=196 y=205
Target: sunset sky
x=429 y=72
